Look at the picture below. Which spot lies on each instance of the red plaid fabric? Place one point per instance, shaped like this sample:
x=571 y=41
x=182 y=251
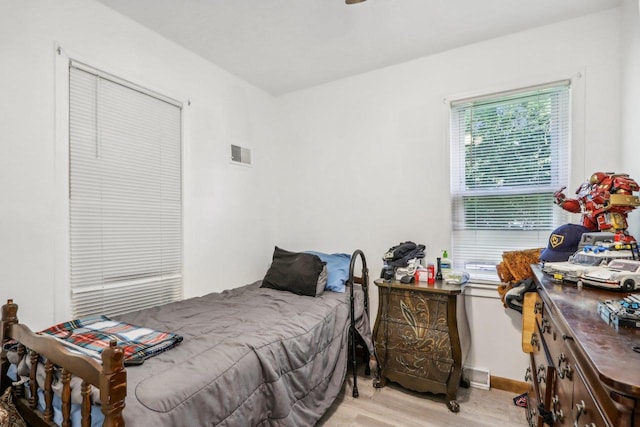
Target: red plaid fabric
x=91 y=335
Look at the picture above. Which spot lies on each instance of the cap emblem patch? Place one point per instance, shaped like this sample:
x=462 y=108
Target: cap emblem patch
x=556 y=240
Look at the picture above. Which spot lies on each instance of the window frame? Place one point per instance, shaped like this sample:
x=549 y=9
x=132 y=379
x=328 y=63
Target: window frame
x=483 y=272
x=61 y=290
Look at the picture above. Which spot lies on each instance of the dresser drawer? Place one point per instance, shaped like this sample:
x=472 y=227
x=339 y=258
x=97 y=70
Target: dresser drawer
x=544 y=374
x=533 y=395
x=586 y=412
x=561 y=399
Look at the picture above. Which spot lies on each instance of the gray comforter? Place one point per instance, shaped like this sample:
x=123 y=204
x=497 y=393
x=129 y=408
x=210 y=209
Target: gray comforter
x=250 y=356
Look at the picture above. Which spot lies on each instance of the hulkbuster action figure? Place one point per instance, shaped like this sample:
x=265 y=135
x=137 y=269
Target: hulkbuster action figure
x=605 y=201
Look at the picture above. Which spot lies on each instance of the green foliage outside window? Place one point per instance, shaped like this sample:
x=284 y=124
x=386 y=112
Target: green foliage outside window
x=508 y=163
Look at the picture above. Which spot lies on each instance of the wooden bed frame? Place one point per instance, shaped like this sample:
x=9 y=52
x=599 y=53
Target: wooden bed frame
x=111 y=377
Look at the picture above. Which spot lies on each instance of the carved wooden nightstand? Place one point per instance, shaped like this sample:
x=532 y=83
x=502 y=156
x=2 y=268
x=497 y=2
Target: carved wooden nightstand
x=422 y=337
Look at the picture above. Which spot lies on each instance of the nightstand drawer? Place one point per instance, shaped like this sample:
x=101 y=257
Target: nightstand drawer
x=402 y=336
x=419 y=366
x=416 y=308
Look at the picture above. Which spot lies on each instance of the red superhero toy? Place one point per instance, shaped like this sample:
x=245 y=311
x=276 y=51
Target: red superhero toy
x=605 y=201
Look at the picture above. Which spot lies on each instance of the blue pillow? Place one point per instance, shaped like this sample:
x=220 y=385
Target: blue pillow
x=337 y=269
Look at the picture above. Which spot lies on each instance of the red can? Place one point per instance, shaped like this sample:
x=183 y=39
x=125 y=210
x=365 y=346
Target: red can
x=431 y=274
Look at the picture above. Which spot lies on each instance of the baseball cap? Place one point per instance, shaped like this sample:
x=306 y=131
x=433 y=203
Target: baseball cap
x=563 y=242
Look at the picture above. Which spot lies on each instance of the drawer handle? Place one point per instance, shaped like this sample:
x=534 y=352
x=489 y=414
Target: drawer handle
x=527 y=375
x=558 y=415
x=561 y=359
x=546 y=327
x=537 y=308
x=534 y=341
x=542 y=371
x=581 y=409
x=568 y=372
x=564 y=371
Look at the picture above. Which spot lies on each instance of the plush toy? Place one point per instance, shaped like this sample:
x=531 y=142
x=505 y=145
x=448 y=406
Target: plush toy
x=515 y=268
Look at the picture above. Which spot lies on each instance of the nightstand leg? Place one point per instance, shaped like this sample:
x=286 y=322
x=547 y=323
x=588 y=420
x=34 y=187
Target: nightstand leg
x=464 y=382
x=379 y=382
x=453 y=404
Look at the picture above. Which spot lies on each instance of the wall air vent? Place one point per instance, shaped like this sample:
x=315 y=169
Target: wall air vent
x=478 y=378
x=240 y=155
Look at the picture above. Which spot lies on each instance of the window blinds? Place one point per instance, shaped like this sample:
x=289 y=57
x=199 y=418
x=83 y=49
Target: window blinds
x=125 y=196
x=509 y=154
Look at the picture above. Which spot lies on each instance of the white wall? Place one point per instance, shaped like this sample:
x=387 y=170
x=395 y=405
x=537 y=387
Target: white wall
x=630 y=92
x=228 y=216
x=365 y=159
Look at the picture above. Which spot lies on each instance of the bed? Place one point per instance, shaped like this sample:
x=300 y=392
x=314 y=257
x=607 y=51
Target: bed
x=252 y=355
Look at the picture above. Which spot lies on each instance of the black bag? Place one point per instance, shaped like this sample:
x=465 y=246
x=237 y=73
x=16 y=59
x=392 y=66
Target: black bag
x=515 y=296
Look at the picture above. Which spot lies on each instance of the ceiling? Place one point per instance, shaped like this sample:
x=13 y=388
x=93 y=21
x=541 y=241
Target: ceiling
x=286 y=45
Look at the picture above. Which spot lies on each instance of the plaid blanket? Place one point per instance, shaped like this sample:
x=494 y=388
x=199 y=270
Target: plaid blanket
x=91 y=335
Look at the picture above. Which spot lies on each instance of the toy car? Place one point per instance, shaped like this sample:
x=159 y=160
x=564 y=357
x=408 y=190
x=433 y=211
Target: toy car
x=618 y=274
x=581 y=262
x=603 y=246
x=597 y=248
x=622 y=245
x=592 y=238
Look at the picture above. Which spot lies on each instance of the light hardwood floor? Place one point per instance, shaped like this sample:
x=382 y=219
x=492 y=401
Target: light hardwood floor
x=393 y=406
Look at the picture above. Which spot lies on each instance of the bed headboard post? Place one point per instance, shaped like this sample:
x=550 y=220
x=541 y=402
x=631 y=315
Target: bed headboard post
x=9 y=318
x=113 y=385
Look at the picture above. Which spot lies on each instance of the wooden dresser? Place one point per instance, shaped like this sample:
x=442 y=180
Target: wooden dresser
x=422 y=336
x=583 y=372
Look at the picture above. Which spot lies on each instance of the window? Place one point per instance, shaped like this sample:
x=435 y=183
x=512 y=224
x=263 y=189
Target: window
x=125 y=195
x=509 y=154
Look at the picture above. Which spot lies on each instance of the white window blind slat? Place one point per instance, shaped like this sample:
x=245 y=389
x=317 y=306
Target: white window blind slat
x=125 y=196
x=509 y=154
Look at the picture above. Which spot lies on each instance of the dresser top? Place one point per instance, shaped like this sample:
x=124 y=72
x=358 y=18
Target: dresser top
x=608 y=348
x=439 y=287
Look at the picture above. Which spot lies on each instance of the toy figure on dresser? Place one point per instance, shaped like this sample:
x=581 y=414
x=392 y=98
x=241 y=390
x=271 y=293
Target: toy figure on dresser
x=604 y=201
x=582 y=262
x=621 y=312
x=573 y=251
x=619 y=274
